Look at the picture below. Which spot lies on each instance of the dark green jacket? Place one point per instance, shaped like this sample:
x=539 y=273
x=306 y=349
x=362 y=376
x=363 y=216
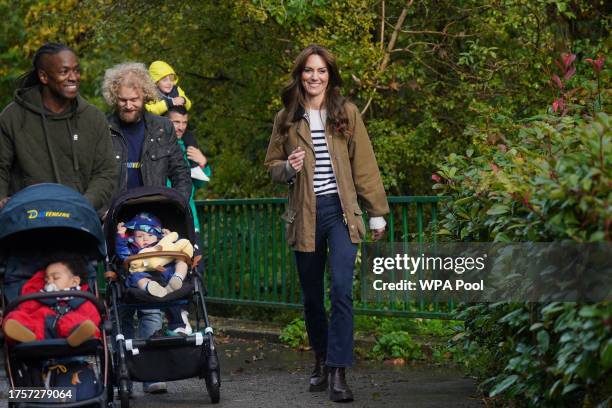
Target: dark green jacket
x=72 y=148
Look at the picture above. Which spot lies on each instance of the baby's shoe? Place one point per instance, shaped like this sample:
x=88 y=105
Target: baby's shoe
x=175 y=282
x=17 y=331
x=82 y=332
x=155 y=289
x=184 y=330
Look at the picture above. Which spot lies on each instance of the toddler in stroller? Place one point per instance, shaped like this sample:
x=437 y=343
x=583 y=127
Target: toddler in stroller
x=74 y=319
x=143 y=234
x=54 y=327
x=129 y=287
x=146 y=232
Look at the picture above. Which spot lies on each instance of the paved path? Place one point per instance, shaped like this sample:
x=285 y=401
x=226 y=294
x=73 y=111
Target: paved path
x=261 y=374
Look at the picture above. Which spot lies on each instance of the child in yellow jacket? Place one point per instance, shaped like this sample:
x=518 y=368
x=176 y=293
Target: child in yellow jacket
x=170 y=94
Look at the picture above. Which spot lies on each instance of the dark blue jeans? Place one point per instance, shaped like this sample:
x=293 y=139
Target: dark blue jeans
x=336 y=337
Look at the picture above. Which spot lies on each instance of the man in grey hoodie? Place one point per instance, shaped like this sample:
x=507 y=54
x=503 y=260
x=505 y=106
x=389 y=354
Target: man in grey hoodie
x=50 y=134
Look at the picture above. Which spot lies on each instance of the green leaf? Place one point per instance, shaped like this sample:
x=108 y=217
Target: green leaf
x=543 y=340
x=606 y=355
x=569 y=388
x=589 y=311
x=553 y=390
x=502 y=386
x=498 y=209
x=536 y=326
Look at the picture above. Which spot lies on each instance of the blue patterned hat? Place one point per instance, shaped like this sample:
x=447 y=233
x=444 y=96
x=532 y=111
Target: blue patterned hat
x=146 y=222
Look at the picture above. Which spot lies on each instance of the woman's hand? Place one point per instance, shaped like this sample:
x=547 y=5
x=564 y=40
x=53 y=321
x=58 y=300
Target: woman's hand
x=296 y=158
x=196 y=155
x=121 y=228
x=378 y=233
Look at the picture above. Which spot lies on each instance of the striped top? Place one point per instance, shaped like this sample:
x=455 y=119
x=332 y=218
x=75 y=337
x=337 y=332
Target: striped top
x=324 y=179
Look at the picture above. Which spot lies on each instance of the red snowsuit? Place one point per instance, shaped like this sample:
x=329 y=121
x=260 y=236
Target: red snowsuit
x=35 y=315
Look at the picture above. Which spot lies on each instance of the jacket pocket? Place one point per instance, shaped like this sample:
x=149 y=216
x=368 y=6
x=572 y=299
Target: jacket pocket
x=159 y=154
x=289 y=218
x=156 y=166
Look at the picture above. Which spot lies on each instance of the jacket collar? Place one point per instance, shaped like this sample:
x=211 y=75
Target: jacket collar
x=115 y=124
x=302 y=128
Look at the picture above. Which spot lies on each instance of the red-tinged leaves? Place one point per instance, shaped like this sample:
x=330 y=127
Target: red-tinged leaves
x=526 y=198
x=557 y=81
x=558 y=104
x=494 y=167
x=436 y=178
x=571 y=92
x=597 y=64
x=568 y=58
x=569 y=73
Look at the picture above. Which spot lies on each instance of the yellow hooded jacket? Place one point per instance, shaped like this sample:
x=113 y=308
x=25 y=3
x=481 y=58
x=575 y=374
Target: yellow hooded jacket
x=159 y=70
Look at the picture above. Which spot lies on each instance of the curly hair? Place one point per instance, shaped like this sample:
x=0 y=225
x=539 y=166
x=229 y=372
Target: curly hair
x=130 y=74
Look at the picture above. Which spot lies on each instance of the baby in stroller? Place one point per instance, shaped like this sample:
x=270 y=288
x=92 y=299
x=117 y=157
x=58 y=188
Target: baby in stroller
x=146 y=355
x=75 y=319
x=145 y=232
x=54 y=327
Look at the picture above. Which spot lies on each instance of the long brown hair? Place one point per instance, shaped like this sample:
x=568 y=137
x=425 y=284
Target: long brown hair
x=293 y=94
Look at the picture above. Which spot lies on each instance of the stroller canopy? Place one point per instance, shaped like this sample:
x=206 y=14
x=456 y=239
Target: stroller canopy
x=51 y=216
x=165 y=203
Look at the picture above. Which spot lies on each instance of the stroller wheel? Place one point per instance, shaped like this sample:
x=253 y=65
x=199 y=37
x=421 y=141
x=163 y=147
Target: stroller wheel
x=124 y=394
x=213 y=386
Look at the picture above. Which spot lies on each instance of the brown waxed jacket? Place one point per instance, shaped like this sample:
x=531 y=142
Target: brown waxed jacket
x=356 y=172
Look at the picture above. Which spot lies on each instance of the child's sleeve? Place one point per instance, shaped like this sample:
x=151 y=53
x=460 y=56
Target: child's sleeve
x=157 y=108
x=122 y=248
x=187 y=101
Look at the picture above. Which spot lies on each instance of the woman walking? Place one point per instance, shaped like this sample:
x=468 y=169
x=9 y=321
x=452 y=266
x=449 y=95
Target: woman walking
x=320 y=148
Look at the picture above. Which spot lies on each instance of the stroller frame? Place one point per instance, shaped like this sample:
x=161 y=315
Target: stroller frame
x=127 y=353
x=24 y=224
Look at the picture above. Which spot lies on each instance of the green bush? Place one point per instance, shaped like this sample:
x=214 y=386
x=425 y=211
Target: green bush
x=397 y=344
x=294 y=334
x=542 y=179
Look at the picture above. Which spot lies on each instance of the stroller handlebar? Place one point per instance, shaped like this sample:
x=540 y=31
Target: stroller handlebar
x=179 y=256
x=57 y=295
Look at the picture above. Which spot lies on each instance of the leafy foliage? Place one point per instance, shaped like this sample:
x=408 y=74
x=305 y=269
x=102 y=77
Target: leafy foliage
x=294 y=334
x=397 y=344
x=422 y=72
x=545 y=178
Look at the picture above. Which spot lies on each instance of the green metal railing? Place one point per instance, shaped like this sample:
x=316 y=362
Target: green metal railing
x=248 y=261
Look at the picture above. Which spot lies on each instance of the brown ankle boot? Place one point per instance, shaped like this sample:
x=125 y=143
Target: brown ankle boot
x=82 y=332
x=339 y=390
x=318 y=378
x=17 y=331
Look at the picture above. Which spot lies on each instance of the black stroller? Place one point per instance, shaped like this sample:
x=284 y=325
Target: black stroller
x=39 y=221
x=158 y=358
